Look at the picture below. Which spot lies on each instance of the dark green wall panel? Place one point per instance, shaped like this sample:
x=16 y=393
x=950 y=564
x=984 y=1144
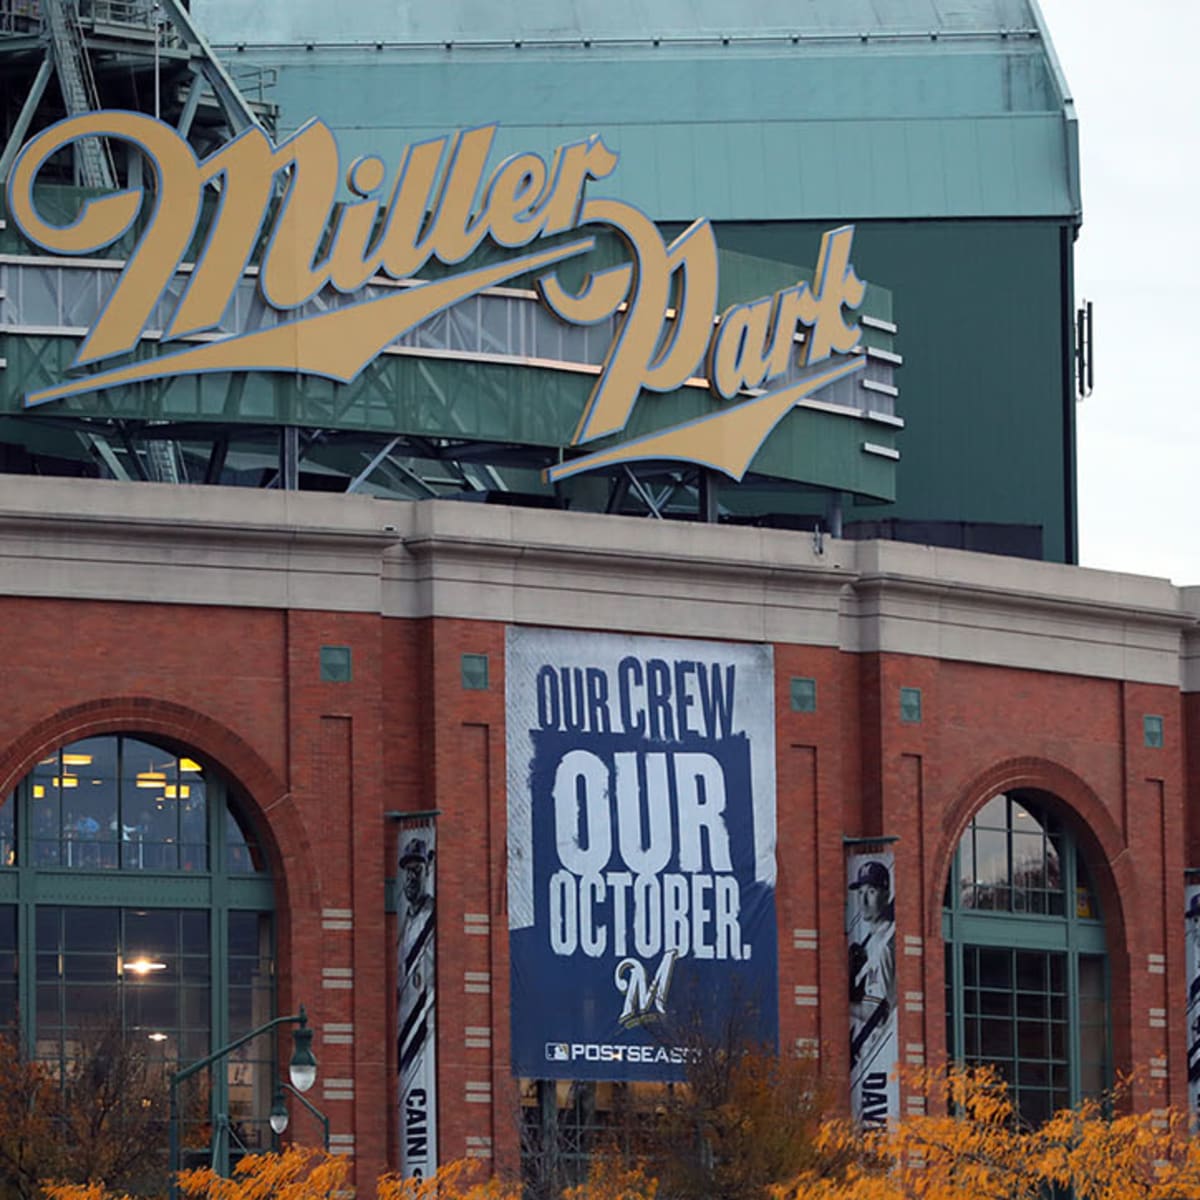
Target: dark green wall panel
x=981 y=307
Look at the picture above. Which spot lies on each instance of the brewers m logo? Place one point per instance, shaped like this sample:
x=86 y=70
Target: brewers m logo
x=441 y=206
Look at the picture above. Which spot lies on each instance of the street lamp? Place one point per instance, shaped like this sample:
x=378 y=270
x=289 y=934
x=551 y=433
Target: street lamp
x=279 y=1112
x=302 y=1069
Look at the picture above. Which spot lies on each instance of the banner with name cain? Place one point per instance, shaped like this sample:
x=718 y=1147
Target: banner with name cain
x=1192 y=921
x=416 y=991
x=641 y=850
x=871 y=938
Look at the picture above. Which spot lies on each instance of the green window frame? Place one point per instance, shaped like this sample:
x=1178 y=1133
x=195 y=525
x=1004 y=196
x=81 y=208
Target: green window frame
x=44 y=894
x=1027 y=975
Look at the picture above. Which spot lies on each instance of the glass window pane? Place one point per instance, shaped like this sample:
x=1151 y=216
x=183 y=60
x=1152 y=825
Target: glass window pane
x=91 y=1005
x=1028 y=867
x=194 y=1012
x=8 y=836
x=193 y=928
x=991 y=869
x=995 y=968
x=89 y=817
x=49 y=1006
x=996 y=1004
x=8 y=927
x=91 y=929
x=242 y=852
x=153 y=933
x=149 y=831
x=96 y=968
x=1086 y=907
x=995 y=1039
x=1031 y=971
x=1054 y=878
x=994 y=814
x=1033 y=1040
x=44 y=818
x=1036 y=1106
x=193 y=821
x=8 y=967
x=150 y=1004
x=48 y=924
x=970 y=966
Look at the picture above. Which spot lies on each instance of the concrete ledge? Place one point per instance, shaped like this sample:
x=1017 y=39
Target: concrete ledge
x=86 y=539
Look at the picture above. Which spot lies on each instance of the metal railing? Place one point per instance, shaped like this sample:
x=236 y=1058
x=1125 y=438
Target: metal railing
x=20 y=17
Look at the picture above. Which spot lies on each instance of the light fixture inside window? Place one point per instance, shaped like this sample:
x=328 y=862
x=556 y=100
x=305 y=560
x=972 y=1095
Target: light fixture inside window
x=157 y=1037
x=151 y=779
x=39 y=791
x=189 y=764
x=144 y=966
x=66 y=781
x=180 y=792
x=77 y=760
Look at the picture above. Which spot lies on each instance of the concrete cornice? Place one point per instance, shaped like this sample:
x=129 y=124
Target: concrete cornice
x=83 y=540
x=1081 y=607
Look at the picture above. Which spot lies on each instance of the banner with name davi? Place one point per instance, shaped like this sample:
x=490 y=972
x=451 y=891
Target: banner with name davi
x=641 y=850
x=871 y=937
x=1192 y=922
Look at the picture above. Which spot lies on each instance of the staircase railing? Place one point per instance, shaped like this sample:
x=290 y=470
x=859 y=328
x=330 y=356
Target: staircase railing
x=78 y=84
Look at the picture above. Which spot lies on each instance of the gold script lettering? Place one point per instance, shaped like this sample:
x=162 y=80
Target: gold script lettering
x=643 y=354
x=102 y=221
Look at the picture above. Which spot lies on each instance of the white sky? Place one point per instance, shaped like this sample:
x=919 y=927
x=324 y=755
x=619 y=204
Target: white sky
x=1132 y=68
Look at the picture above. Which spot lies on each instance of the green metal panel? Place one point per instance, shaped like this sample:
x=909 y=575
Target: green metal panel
x=982 y=308
x=490 y=402
x=122 y=889
x=851 y=137
x=731 y=111
x=417 y=20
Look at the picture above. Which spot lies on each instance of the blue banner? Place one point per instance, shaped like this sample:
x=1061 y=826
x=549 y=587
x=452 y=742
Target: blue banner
x=641 y=851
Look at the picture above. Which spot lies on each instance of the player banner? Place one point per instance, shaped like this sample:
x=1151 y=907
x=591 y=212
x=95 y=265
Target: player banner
x=416 y=1036
x=641 y=850
x=1192 y=920
x=874 y=1039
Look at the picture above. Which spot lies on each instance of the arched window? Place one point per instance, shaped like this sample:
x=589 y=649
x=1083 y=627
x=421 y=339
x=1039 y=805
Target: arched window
x=134 y=897
x=1026 y=966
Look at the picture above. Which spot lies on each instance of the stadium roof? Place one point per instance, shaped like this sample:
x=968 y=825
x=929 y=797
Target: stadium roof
x=781 y=109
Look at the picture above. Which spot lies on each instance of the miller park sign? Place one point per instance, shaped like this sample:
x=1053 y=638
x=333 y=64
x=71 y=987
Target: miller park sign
x=448 y=230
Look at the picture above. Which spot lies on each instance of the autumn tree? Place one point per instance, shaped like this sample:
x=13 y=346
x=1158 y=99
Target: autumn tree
x=298 y=1173
x=460 y=1179
x=113 y=1112
x=971 y=1145
x=745 y=1117
x=29 y=1136
x=102 y=1119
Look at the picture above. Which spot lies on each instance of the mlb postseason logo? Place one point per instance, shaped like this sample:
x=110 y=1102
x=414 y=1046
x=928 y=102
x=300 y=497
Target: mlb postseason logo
x=641 y=850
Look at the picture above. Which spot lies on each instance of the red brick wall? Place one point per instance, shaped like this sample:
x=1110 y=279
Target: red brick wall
x=323 y=762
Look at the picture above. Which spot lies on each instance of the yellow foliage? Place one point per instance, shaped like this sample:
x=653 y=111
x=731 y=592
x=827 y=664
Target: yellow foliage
x=80 y=1191
x=610 y=1179
x=457 y=1180
x=970 y=1147
x=299 y=1173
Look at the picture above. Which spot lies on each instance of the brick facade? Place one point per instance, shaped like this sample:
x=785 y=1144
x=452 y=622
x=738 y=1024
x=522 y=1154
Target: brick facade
x=323 y=763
